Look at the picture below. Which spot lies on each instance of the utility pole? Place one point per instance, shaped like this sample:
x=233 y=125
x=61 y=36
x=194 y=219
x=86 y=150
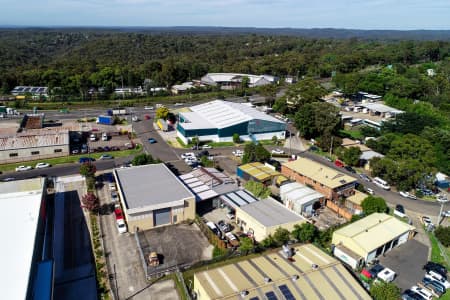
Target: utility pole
x=331 y=148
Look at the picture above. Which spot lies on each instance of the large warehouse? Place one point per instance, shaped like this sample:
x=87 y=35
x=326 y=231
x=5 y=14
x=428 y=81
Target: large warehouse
x=218 y=120
x=153 y=196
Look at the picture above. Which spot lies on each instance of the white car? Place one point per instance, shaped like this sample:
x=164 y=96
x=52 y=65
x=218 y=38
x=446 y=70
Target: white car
x=437 y=277
x=42 y=165
x=23 y=168
x=238 y=153
x=121 y=226
x=93 y=138
x=188 y=154
x=407 y=195
x=112 y=186
x=446 y=213
x=424 y=293
x=277 y=151
x=370 y=191
x=206 y=147
x=148 y=107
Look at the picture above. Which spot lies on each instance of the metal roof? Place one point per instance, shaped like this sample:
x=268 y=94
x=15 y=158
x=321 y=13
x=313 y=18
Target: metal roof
x=21 y=202
x=259 y=171
x=222 y=114
x=311 y=274
x=319 y=172
x=33 y=139
x=357 y=198
x=150 y=187
x=271 y=213
x=299 y=193
x=368 y=155
x=381 y=108
x=373 y=231
x=238 y=198
x=213 y=78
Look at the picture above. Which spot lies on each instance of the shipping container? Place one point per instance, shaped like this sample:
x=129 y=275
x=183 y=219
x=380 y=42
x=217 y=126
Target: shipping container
x=3 y=109
x=107 y=120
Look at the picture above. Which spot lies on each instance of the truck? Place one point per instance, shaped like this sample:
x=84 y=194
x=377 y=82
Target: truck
x=106 y=120
x=116 y=112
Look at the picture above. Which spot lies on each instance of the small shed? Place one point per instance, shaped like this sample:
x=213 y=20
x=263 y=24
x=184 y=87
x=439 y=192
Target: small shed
x=299 y=198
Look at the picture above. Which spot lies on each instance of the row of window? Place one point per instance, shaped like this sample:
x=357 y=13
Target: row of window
x=34 y=153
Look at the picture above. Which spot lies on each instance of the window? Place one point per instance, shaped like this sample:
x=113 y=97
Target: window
x=13 y=154
x=175 y=219
x=57 y=150
x=34 y=152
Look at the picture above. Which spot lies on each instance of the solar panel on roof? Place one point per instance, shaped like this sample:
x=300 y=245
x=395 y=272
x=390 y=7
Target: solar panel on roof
x=286 y=292
x=271 y=296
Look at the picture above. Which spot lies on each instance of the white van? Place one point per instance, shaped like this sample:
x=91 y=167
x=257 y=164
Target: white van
x=104 y=136
x=381 y=183
x=93 y=138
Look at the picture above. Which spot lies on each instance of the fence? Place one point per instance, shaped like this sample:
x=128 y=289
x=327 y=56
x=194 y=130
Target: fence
x=211 y=236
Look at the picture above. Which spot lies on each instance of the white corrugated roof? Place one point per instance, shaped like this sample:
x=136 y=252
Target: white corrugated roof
x=235 y=77
x=298 y=193
x=222 y=114
x=381 y=108
x=20 y=201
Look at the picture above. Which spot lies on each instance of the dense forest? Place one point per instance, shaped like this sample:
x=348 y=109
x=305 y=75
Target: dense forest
x=76 y=60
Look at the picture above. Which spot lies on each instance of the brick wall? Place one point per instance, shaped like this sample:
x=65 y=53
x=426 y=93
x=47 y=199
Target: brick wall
x=328 y=192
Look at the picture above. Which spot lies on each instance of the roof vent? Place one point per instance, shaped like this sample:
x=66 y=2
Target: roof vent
x=314 y=266
x=295 y=277
x=267 y=279
x=243 y=293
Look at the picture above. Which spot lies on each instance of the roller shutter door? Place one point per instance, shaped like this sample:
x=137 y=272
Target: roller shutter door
x=161 y=217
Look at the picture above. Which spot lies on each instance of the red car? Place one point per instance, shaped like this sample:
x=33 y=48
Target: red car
x=338 y=163
x=118 y=213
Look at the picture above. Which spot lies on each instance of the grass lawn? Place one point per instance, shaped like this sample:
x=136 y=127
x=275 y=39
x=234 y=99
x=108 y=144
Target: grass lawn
x=354 y=134
x=70 y=159
x=436 y=252
x=221 y=144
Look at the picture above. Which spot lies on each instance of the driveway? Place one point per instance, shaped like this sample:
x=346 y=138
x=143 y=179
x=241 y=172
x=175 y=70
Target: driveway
x=407 y=261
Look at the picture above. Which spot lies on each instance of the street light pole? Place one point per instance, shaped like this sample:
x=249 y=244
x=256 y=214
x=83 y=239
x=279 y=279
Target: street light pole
x=442 y=201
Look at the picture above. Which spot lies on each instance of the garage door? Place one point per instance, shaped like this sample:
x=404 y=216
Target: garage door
x=161 y=216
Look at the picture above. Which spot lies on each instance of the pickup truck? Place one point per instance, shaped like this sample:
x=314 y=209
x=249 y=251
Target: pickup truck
x=232 y=239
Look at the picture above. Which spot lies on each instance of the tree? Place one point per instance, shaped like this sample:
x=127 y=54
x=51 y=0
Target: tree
x=90 y=201
x=373 y=204
x=258 y=189
x=88 y=169
x=275 y=140
x=246 y=245
x=255 y=152
x=236 y=138
x=281 y=236
x=144 y=159
x=245 y=82
x=315 y=119
x=305 y=232
x=268 y=242
x=162 y=113
x=409 y=122
x=385 y=291
x=303 y=92
x=195 y=140
x=443 y=235
x=351 y=155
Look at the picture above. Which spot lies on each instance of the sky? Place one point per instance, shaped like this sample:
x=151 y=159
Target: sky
x=352 y=14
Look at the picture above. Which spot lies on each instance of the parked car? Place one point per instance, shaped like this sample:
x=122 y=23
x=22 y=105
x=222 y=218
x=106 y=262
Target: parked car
x=375 y=270
x=238 y=153
x=75 y=151
x=438 y=277
x=121 y=226
x=230 y=216
x=446 y=213
x=114 y=196
x=435 y=267
x=42 y=165
x=112 y=186
x=350 y=169
x=338 y=163
x=106 y=148
x=410 y=295
x=426 y=220
x=370 y=191
x=206 y=147
x=213 y=227
x=8 y=179
x=427 y=295
x=129 y=145
x=23 y=168
x=434 y=285
x=225 y=227
x=232 y=239
x=399 y=211
x=277 y=151
x=92 y=137
x=151 y=140
x=148 y=107
x=387 y=275
x=365 y=177
x=407 y=195
x=187 y=154
x=104 y=136
x=106 y=156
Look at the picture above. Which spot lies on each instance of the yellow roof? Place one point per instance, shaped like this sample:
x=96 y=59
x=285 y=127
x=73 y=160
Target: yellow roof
x=281 y=179
x=259 y=171
x=320 y=173
x=357 y=198
x=373 y=231
x=272 y=273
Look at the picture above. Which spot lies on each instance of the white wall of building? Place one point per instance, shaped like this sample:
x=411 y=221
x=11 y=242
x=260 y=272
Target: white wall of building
x=215 y=138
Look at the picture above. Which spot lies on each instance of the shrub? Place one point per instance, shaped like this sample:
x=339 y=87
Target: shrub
x=443 y=235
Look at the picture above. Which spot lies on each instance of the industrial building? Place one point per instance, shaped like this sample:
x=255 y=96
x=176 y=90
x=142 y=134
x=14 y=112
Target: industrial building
x=33 y=145
x=32 y=90
x=300 y=198
x=259 y=172
x=329 y=182
x=207 y=184
x=262 y=218
x=218 y=120
x=153 y=196
x=310 y=274
x=27 y=269
x=233 y=80
x=366 y=239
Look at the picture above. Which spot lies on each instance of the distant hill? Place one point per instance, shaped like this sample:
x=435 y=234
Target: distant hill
x=334 y=33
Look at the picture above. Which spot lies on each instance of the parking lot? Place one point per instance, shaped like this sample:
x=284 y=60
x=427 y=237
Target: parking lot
x=176 y=245
x=407 y=262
